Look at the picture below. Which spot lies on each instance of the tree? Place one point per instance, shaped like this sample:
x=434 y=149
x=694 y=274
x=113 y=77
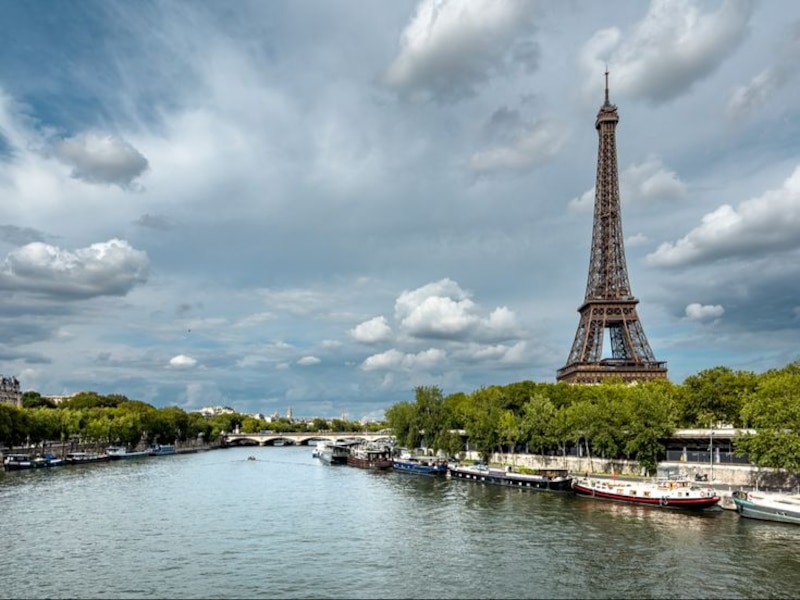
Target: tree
x=652 y=418
x=538 y=424
x=32 y=399
x=714 y=395
x=773 y=410
x=401 y=418
x=482 y=416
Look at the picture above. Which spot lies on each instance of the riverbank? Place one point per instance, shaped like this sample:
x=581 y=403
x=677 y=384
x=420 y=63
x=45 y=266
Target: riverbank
x=731 y=476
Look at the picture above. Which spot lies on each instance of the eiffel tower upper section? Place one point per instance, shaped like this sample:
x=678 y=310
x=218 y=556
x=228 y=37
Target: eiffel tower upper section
x=608 y=303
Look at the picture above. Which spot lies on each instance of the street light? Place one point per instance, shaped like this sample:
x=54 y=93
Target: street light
x=711 y=452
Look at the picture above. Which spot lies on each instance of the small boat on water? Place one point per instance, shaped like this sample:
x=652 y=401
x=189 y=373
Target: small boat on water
x=333 y=454
x=370 y=457
x=83 y=458
x=679 y=492
x=20 y=462
x=161 y=449
x=551 y=480
x=766 y=506
x=121 y=452
x=419 y=465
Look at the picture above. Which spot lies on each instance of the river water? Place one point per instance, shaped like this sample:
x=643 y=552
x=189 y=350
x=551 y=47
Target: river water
x=216 y=525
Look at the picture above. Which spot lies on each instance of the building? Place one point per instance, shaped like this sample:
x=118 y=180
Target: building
x=10 y=392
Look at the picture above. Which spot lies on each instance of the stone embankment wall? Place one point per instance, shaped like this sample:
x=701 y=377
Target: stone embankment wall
x=746 y=476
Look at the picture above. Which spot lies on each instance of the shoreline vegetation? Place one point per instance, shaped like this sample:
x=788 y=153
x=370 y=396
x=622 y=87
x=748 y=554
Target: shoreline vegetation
x=610 y=422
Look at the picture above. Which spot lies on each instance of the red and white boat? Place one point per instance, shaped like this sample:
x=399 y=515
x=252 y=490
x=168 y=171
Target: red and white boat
x=667 y=493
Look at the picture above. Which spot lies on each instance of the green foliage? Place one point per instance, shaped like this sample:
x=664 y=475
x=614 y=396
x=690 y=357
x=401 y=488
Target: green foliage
x=773 y=410
x=401 y=419
x=32 y=399
x=715 y=396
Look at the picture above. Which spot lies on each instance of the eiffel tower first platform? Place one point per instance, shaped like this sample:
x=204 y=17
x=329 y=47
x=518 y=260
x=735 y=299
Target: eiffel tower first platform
x=609 y=303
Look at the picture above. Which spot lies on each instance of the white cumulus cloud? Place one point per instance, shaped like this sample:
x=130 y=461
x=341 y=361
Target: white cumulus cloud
x=769 y=223
x=396 y=360
x=181 y=361
x=703 y=312
x=308 y=361
x=109 y=268
x=372 y=331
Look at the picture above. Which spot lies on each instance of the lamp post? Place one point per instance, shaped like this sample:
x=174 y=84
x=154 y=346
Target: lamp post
x=711 y=452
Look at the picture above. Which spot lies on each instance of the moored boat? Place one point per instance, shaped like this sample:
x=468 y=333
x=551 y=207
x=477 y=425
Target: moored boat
x=420 y=465
x=20 y=462
x=121 y=452
x=766 y=506
x=333 y=454
x=677 y=492
x=161 y=449
x=551 y=480
x=82 y=458
x=370 y=457
x=17 y=462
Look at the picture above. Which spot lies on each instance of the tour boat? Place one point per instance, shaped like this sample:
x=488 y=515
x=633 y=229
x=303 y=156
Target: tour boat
x=666 y=492
x=551 y=480
x=766 y=506
x=334 y=454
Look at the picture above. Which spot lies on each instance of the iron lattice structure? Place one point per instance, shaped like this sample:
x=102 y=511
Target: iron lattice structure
x=608 y=303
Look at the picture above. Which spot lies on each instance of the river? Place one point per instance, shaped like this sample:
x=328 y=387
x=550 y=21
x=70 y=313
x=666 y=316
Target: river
x=217 y=525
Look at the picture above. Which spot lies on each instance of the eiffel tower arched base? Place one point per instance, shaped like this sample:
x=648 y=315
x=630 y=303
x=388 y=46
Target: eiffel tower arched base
x=626 y=371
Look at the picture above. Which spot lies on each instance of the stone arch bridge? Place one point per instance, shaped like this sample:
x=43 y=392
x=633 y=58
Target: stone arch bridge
x=302 y=439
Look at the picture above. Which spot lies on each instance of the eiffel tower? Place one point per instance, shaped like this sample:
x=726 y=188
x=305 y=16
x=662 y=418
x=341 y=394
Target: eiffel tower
x=609 y=303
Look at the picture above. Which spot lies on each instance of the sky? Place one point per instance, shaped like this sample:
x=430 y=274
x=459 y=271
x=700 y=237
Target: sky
x=323 y=205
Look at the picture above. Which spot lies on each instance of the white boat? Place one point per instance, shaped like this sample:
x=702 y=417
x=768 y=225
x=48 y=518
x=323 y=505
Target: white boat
x=318 y=448
x=767 y=506
x=679 y=492
x=121 y=452
x=334 y=454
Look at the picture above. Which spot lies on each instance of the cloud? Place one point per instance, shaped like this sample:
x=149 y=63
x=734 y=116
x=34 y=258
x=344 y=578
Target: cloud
x=371 y=332
x=531 y=147
x=746 y=99
x=156 y=222
x=396 y=360
x=638 y=239
x=443 y=310
x=308 y=361
x=703 y=312
x=109 y=268
x=450 y=47
x=102 y=158
x=650 y=181
x=19 y=236
x=641 y=183
x=770 y=223
x=181 y=361
x=672 y=48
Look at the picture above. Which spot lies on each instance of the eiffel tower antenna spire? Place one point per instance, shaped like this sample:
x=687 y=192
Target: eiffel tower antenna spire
x=609 y=303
